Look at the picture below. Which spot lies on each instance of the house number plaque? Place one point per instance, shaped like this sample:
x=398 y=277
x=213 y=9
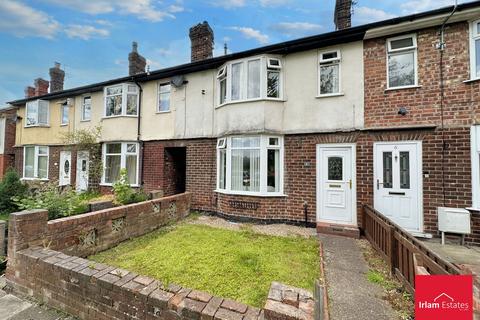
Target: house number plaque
x=243 y=205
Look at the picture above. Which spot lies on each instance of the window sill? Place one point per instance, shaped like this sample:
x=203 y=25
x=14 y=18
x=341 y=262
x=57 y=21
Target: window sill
x=471 y=80
x=121 y=116
x=250 y=100
x=252 y=194
x=64 y=125
x=162 y=112
x=86 y=120
x=339 y=94
x=34 y=179
x=38 y=126
x=405 y=87
x=111 y=185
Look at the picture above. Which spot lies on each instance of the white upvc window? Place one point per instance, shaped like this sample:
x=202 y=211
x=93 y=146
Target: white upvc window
x=475 y=50
x=329 y=73
x=164 y=90
x=64 y=110
x=121 y=100
x=86 y=108
x=402 y=69
x=250 y=165
x=250 y=79
x=3 y=125
x=117 y=156
x=475 y=154
x=37 y=113
x=35 y=162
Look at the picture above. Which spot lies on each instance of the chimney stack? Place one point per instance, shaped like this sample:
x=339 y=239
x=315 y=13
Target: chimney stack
x=201 y=37
x=136 y=63
x=41 y=87
x=343 y=14
x=29 y=92
x=57 y=76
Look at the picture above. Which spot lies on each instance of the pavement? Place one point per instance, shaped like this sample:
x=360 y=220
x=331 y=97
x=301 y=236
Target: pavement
x=15 y=308
x=454 y=252
x=351 y=295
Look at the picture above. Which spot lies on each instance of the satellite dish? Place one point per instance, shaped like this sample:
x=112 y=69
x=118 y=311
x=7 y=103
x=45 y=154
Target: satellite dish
x=178 y=81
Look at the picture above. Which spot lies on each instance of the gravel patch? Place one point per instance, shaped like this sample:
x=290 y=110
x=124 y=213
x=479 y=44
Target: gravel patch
x=281 y=230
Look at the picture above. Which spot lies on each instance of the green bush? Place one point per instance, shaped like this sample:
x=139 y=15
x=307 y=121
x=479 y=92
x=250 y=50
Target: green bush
x=11 y=186
x=59 y=203
x=124 y=194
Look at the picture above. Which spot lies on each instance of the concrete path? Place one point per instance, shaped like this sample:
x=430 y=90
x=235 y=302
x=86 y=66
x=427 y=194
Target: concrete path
x=14 y=308
x=351 y=295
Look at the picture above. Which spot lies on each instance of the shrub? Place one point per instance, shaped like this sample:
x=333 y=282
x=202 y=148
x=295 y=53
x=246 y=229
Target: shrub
x=11 y=186
x=124 y=194
x=59 y=203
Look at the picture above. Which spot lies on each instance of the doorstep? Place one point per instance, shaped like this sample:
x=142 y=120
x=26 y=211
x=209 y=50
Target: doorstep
x=350 y=231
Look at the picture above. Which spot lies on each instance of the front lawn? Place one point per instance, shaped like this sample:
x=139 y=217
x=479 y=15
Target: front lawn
x=233 y=264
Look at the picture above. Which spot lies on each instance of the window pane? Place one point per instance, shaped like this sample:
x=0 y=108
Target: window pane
x=223 y=90
x=404 y=170
x=335 y=168
x=247 y=142
x=236 y=80
x=222 y=169
x=273 y=84
x=164 y=102
x=329 y=79
x=387 y=170
x=246 y=170
x=112 y=168
x=131 y=165
x=32 y=113
x=329 y=55
x=477 y=56
x=29 y=162
x=42 y=167
x=87 y=104
x=64 y=114
x=43 y=150
x=253 y=79
x=132 y=88
x=131 y=148
x=114 y=90
x=132 y=104
x=42 y=112
x=114 y=106
x=273 y=141
x=401 y=70
x=114 y=148
x=273 y=171
x=401 y=43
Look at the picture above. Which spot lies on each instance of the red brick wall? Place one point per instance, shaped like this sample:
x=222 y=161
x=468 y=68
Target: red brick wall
x=461 y=104
x=7 y=159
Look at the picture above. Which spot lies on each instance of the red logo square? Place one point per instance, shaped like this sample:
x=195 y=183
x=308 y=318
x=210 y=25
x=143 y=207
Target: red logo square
x=444 y=297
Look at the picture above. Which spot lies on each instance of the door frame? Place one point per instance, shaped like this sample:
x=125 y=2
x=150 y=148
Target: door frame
x=318 y=190
x=61 y=167
x=419 y=147
x=78 y=171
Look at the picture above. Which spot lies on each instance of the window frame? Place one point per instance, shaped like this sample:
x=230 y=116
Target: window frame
x=224 y=73
x=3 y=128
x=123 y=160
x=124 y=94
x=37 y=124
x=36 y=155
x=64 y=106
x=413 y=49
x=474 y=36
x=328 y=62
x=82 y=109
x=475 y=158
x=263 y=147
x=159 y=85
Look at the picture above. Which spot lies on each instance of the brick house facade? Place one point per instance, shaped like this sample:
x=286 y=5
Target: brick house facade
x=7 y=155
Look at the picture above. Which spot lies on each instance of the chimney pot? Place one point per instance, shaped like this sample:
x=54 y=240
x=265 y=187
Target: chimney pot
x=57 y=78
x=41 y=87
x=343 y=14
x=202 y=41
x=136 y=63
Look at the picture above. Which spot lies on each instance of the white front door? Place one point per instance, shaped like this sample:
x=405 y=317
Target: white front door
x=336 y=184
x=82 y=170
x=398 y=183
x=65 y=168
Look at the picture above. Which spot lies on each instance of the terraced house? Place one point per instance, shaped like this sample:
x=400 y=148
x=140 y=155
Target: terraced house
x=302 y=131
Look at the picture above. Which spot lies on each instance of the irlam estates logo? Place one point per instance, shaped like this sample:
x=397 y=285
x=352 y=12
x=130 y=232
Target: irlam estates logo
x=443 y=297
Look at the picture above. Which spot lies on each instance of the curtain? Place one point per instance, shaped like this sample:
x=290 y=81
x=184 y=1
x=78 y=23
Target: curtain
x=131 y=165
x=253 y=79
x=112 y=168
x=29 y=162
x=42 y=167
x=236 y=79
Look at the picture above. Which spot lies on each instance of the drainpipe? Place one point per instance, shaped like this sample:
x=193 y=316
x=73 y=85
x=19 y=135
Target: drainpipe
x=441 y=46
x=140 y=142
x=305 y=211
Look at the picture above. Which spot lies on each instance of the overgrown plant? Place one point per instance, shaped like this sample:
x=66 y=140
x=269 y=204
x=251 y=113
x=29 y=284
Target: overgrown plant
x=124 y=193
x=11 y=186
x=88 y=140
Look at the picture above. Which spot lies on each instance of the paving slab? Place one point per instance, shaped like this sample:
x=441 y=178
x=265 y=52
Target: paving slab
x=11 y=305
x=455 y=253
x=351 y=295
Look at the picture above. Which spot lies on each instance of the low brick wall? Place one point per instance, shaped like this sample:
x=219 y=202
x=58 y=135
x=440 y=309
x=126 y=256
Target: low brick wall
x=3 y=241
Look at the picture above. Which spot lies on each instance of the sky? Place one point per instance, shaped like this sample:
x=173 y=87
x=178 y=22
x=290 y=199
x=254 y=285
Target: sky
x=92 y=38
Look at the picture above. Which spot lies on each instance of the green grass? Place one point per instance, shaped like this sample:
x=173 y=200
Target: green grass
x=4 y=216
x=233 y=264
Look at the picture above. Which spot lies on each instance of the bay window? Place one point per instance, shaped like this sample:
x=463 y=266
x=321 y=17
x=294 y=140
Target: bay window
x=475 y=49
x=402 y=61
x=35 y=162
x=121 y=100
x=329 y=73
x=250 y=79
x=117 y=156
x=37 y=113
x=251 y=165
